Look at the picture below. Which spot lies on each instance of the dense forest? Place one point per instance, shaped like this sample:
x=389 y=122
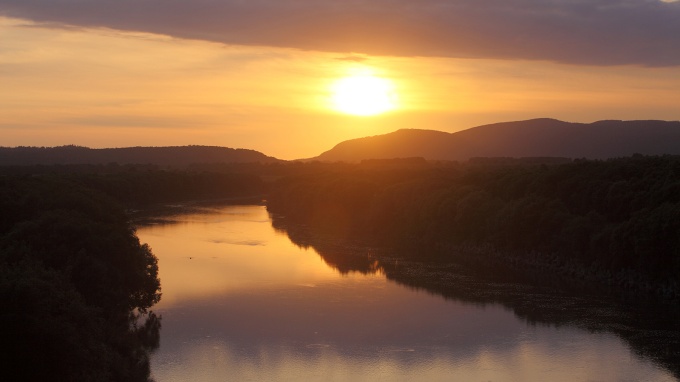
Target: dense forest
x=616 y=221
x=142 y=186
x=76 y=285
x=74 y=281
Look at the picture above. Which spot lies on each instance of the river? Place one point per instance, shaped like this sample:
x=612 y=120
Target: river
x=242 y=302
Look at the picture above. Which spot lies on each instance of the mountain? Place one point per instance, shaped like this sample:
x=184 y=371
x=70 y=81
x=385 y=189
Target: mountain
x=164 y=156
x=533 y=138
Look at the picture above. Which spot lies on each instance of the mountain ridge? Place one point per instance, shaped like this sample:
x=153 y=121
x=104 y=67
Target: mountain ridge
x=541 y=137
x=157 y=155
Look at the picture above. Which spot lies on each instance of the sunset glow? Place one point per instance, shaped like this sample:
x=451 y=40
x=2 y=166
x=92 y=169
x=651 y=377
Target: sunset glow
x=364 y=95
x=297 y=89
x=355 y=191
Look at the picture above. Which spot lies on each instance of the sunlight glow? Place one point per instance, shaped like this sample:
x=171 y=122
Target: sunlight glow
x=364 y=95
x=225 y=250
x=154 y=90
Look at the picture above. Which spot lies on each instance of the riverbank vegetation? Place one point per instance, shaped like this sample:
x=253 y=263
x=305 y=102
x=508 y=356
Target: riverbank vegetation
x=615 y=221
x=76 y=285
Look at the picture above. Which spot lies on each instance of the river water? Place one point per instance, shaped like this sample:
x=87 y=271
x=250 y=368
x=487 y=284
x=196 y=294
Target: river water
x=242 y=302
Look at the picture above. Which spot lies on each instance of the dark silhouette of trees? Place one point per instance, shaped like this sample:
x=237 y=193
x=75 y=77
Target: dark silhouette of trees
x=75 y=285
x=617 y=220
x=175 y=156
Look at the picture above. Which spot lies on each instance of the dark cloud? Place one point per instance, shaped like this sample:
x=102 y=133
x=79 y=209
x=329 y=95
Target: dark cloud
x=596 y=32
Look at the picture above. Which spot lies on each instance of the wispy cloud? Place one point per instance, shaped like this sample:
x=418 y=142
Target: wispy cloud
x=596 y=32
x=352 y=58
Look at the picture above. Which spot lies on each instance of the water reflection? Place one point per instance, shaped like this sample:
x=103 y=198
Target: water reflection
x=217 y=251
x=338 y=332
x=650 y=328
x=277 y=312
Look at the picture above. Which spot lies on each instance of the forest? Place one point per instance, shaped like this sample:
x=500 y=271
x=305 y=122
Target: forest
x=76 y=285
x=142 y=186
x=616 y=221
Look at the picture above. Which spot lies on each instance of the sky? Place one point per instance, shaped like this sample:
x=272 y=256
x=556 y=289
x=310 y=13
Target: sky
x=262 y=74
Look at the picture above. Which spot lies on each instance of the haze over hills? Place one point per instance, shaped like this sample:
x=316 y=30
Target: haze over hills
x=532 y=138
x=164 y=156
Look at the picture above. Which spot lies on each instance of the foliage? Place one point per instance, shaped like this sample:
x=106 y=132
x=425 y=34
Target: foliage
x=72 y=277
x=138 y=186
x=614 y=217
x=76 y=285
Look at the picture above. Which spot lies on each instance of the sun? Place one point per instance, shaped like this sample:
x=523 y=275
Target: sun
x=363 y=95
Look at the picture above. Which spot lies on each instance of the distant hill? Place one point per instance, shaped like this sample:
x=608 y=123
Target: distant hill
x=533 y=138
x=164 y=156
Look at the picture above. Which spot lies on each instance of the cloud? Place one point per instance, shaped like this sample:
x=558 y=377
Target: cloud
x=352 y=58
x=593 y=32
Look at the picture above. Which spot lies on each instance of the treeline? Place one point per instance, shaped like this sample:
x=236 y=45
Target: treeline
x=139 y=186
x=175 y=156
x=617 y=220
x=76 y=285
x=141 y=189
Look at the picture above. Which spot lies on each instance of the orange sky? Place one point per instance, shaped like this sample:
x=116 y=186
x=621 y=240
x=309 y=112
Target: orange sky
x=102 y=87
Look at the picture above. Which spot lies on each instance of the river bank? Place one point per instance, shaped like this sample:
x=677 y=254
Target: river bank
x=534 y=293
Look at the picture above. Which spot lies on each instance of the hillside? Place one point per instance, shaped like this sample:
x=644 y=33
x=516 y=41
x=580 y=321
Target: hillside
x=164 y=156
x=532 y=138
